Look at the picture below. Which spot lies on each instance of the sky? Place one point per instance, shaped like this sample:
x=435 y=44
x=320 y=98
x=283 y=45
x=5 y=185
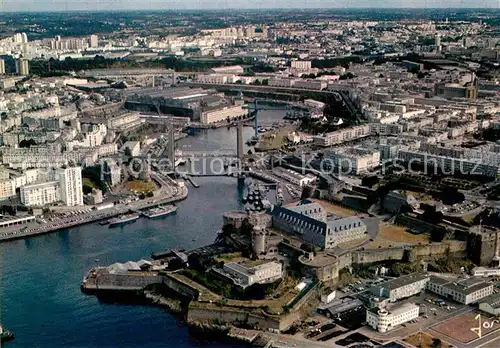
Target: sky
x=96 y=5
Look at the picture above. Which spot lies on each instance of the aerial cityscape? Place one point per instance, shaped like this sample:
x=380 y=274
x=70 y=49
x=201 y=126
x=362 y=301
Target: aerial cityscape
x=217 y=176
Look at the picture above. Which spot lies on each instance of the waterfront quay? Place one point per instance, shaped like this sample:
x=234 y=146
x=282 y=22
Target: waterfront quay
x=178 y=193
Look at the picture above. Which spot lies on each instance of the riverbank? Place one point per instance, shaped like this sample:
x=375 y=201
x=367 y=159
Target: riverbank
x=93 y=216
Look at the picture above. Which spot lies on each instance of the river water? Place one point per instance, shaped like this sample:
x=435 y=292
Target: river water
x=40 y=276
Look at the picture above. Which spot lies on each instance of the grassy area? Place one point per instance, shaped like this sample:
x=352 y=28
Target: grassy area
x=141 y=186
x=422 y=340
x=392 y=234
x=89 y=185
x=230 y=257
x=398 y=234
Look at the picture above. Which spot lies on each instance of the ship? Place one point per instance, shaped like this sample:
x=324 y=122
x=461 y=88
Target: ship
x=124 y=219
x=160 y=211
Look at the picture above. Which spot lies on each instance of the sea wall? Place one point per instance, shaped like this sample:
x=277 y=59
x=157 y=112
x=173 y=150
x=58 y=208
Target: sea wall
x=211 y=313
x=181 y=287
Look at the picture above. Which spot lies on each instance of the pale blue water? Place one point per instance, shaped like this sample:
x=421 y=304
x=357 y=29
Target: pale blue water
x=41 y=299
x=40 y=277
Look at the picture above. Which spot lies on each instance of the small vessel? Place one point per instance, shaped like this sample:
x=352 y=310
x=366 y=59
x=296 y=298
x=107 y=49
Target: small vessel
x=104 y=222
x=5 y=335
x=160 y=211
x=124 y=219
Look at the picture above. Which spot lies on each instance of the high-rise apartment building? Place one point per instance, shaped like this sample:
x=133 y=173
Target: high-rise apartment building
x=22 y=67
x=94 y=41
x=70 y=181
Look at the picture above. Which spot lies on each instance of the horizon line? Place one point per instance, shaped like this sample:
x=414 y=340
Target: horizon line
x=252 y=9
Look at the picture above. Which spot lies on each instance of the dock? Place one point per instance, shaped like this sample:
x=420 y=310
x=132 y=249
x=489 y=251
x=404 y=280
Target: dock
x=91 y=217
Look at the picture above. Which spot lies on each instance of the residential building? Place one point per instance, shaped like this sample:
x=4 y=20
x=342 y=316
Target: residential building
x=70 y=181
x=94 y=41
x=352 y=160
x=7 y=83
x=342 y=135
x=134 y=148
x=40 y=194
x=22 y=67
x=485 y=272
x=464 y=291
x=281 y=82
x=384 y=320
x=317 y=85
x=213 y=78
x=450 y=165
x=7 y=189
x=402 y=287
x=303 y=65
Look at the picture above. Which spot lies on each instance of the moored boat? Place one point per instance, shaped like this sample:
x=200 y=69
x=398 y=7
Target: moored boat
x=124 y=219
x=160 y=211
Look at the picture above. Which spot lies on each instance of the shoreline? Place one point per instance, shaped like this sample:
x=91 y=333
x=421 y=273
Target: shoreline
x=94 y=217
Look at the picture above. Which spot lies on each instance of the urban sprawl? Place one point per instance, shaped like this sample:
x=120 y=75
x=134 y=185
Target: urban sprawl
x=371 y=212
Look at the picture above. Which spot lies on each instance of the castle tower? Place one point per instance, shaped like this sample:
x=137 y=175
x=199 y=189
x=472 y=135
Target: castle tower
x=258 y=241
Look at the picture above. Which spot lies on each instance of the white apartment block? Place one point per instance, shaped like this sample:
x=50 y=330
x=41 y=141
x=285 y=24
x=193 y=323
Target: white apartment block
x=485 y=272
x=316 y=85
x=464 y=291
x=281 y=82
x=40 y=194
x=7 y=189
x=259 y=272
x=218 y=115
x=342 y=135
x=352 y=160
x=70 y=180
x=385 y=320
x=44 y=157
x=450 y=164
x=213 y=79
x=303 y=65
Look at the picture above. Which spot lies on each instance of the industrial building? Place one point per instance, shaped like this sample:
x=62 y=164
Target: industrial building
x=464 y=291
x=491 y=304
x=293 y=176
x=226 y=113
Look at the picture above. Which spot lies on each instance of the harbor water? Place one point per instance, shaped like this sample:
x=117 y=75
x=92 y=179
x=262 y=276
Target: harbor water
x=40 y=276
